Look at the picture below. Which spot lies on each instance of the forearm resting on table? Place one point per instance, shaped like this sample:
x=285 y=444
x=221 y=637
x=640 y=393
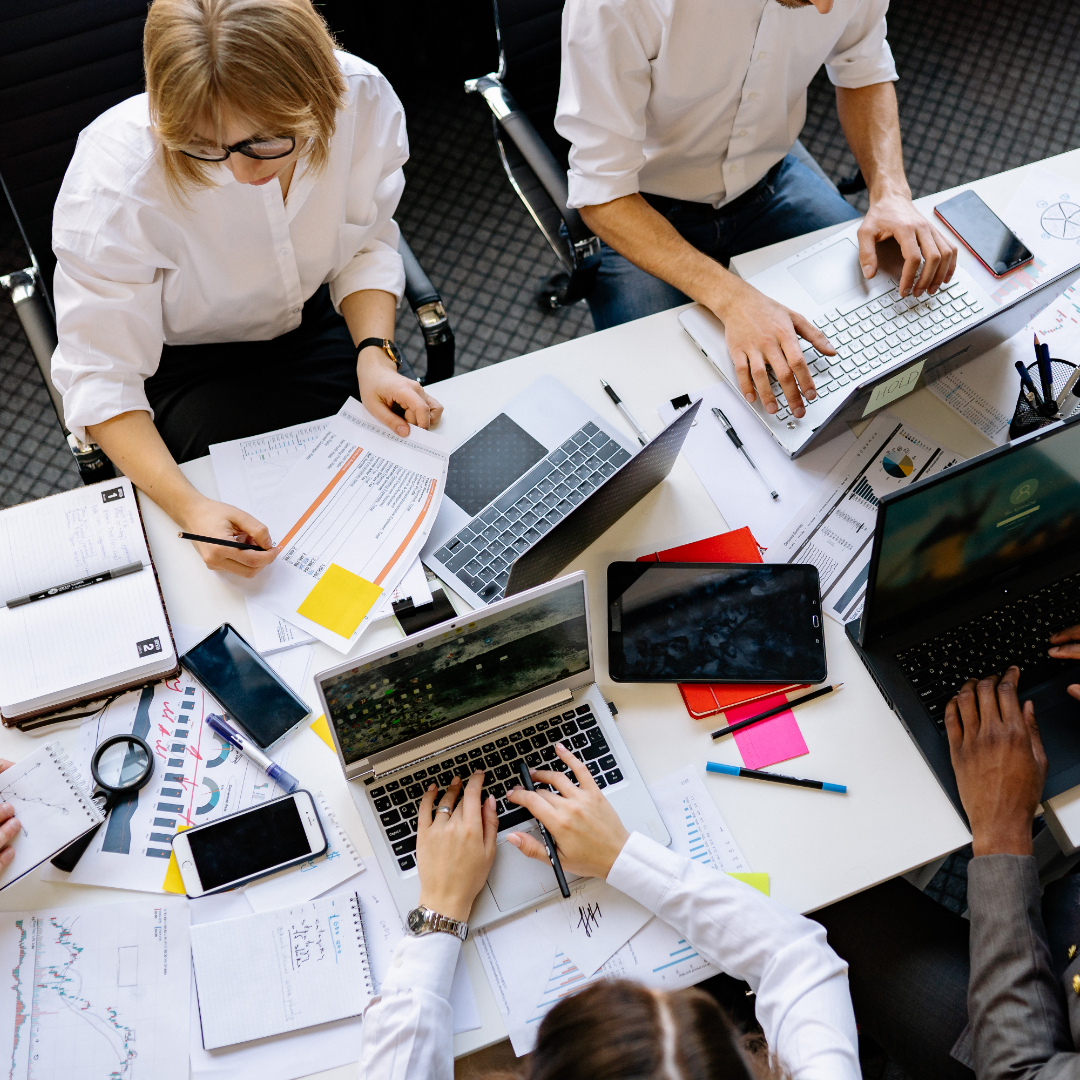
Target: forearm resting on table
x=645 y=237
x=135 y=447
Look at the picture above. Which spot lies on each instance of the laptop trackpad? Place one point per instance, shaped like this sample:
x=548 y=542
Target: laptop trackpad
x=1058 y=716
x=515 y=879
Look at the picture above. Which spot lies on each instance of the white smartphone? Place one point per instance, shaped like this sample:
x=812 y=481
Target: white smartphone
x=241 y=847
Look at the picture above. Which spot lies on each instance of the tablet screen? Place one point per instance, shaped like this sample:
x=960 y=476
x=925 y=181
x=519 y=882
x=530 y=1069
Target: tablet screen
x=715 y=622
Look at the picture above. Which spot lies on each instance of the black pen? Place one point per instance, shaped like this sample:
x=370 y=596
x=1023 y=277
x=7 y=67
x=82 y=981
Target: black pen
x=1046 y=370
x=72 y=586
x=733 y=435
x=553 y=855
x=1029 y=389
x=776 y=778
x=221 y=543
x=739 y=725
x=618 y=403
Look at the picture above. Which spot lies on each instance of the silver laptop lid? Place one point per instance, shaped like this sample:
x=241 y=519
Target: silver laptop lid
x=441 y=687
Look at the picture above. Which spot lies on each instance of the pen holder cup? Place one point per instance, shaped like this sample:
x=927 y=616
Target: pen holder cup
x=1027 y=419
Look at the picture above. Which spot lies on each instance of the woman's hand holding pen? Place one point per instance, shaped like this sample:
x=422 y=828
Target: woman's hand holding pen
x=454 y=851
x=584 y=825
x=10 y=827
x=1065 y=645
x=210 y=518
x=381 y=387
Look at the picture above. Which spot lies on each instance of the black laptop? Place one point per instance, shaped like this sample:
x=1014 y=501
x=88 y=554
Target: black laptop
x=973 y=570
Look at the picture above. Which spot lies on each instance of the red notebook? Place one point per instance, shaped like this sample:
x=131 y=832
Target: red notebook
x=707 y=699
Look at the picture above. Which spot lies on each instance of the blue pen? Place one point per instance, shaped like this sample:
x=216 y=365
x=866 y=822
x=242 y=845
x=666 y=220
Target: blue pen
x=220 y=726
x=1030 y=389
x=1046 y=370
x=776 y=778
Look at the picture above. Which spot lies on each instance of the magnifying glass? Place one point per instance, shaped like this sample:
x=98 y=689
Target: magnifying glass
x=120 y=766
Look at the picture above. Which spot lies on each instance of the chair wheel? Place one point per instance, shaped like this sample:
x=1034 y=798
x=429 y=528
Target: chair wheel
x=554 y=286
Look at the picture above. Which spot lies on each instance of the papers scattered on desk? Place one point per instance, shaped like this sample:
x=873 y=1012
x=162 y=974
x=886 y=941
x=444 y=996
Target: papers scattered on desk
x=95 y=992
x=350 y=516
x=197 y=778
x=724 y=473
x=834 y=529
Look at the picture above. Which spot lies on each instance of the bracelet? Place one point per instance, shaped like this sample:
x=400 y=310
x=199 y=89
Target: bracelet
x=386 y=345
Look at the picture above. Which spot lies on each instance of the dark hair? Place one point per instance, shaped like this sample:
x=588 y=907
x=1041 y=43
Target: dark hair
x=620 y=1030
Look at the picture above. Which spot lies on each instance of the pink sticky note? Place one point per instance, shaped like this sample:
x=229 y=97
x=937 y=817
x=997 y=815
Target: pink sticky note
x=769 y=741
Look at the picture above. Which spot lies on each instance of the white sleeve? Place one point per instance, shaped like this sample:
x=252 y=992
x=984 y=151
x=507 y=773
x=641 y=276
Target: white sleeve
x=803 y=1003
x=109 y=333
x=408 y=1030
x=376 y=264
x=862 y=56
x=607 y=46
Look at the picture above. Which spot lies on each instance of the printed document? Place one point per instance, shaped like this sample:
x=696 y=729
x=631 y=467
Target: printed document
x=350 y=518
x=834 y=529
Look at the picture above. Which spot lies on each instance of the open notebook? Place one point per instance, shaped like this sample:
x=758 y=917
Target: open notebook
x=90 y=642
x=280 y=970
x=51 y=804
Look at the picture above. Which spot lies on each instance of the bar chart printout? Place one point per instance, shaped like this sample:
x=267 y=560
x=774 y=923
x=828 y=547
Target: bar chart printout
x=95 y=990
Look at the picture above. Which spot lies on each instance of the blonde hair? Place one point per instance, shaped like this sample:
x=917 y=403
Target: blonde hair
x=266 y=62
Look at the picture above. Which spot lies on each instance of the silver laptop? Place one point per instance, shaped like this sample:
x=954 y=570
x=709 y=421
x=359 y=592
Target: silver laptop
x=483 y=691
x=885 y=344
x=534 y=486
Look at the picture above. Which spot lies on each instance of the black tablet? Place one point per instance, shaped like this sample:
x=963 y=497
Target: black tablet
x=715 y=623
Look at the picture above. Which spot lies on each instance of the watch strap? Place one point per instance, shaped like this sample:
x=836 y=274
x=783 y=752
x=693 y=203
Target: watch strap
x=423 y=921
x=386 y=345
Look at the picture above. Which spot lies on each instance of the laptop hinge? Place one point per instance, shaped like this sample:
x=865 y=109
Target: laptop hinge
x=418 y=755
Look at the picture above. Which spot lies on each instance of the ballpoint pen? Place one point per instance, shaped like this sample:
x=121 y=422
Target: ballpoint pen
x=1067 y=391
x=553 y=855
x=220 y=726
x=733 y=435
x=1030 y=390
x=1046 y=371
x=618 y=402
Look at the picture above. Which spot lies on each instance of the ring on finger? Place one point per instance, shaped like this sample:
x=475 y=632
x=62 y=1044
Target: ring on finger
x=444 y=810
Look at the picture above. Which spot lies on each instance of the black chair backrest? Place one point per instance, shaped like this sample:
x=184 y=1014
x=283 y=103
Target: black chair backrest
x=62 y=63
x=530 y=36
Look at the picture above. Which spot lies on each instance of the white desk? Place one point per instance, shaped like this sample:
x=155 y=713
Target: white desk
x=817 y=849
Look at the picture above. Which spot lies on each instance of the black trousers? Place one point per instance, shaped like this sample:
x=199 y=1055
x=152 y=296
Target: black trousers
x=203 y=394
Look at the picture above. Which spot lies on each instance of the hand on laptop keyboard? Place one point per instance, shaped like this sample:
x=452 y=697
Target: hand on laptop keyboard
x=454 y=851
x=760 y=331
x=1065 y=645
x=584 y=825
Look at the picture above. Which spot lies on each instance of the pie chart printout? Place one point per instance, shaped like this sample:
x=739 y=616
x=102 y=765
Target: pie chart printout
x=1061 y=221
x=897 y=465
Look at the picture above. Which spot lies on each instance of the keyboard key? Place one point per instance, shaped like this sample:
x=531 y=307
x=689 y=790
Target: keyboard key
x=475 y=753
x=391 y=817
x=398 y=832
x=607 y=763
x=568 y=728
x=415 y=791
x=392 y=786
x=492 y=761
x=510 y=753
x=500 y=742
x=613 y=777
x=594 y=750
x=444 y=779
x=503 y=772
x=409 y=810
x=514 y=815
x=407 y=862
x=600 y=782
x=594 y=768
x=533 y=760
x=548 y=754
x=398 y=798
x=376 y=792
x=578 y=741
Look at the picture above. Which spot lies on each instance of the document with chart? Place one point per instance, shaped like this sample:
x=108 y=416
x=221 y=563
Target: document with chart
x=349 y=518
x=834 y=528
x=97 y=993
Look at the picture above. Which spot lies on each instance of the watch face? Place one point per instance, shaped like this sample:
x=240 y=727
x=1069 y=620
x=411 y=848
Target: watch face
x=416 y=920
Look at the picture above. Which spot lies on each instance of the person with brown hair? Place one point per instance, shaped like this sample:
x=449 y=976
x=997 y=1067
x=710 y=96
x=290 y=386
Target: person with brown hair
x=613 y=1029
x=224 y=244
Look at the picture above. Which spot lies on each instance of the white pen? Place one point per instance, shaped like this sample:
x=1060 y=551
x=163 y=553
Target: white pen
x=1066 y=390
x=733 y=435
x=641 y=436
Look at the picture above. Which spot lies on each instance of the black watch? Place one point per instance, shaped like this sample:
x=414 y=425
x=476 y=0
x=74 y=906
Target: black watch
x=386 y=345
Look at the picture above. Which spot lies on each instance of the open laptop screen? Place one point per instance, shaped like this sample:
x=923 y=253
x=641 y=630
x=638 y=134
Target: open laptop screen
x=971 y=524
x=474 y=666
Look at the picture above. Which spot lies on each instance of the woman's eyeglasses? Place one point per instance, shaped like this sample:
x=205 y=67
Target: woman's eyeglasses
x=261 y=149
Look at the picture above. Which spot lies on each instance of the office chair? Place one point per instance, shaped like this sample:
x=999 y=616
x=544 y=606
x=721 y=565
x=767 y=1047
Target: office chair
x=522 y=96
x=62 y=65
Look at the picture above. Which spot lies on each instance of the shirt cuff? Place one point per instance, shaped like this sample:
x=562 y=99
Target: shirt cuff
x=644 y=871
x=858 y=71
x=382 y=270
x=597 y=190
x=423 y=963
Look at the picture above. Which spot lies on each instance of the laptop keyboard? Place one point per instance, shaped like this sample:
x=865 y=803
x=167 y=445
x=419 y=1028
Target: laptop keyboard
x=482 y=553
x=1017 y=633
x=878 y=333
x=397 y=800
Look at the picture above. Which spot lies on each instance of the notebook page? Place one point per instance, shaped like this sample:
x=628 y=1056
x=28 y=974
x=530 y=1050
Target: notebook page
x=280 y=970
x=51 y=804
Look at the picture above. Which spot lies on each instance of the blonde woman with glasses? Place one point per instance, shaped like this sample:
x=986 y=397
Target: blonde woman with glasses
x=224 y=244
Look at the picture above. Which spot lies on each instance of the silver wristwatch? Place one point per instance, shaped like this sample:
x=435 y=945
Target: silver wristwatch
x=422 y=920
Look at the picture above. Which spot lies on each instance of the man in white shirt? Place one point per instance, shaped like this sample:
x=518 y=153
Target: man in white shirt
x=682 y=116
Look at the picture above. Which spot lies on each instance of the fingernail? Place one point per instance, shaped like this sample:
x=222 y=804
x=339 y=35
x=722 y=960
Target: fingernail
x=772 y=408
x=560 y=745
x=867 y=271
x=431 y=787
x=750 y=398
x=799 y=412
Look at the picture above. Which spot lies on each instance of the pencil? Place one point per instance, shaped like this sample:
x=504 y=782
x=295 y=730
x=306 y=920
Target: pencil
x=776 y=709
x=221 y=543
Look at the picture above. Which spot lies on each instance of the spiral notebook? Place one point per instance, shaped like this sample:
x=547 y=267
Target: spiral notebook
x=52 y=804
x=280 y=970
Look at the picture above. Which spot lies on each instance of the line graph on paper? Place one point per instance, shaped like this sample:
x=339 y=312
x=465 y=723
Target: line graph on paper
x=22 y=791
x=57 y=1011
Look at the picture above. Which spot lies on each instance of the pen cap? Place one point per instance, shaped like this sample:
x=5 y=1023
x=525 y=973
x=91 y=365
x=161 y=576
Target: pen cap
x=715 y=766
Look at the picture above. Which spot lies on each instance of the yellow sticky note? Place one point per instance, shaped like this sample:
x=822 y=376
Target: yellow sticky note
x=322 y=729
x=340 y=600
x=173 y=882
x=757 y=881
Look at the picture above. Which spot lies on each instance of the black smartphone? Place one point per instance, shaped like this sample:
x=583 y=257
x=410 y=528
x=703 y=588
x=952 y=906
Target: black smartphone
x=245 y=685
x=983 y=233
x=241 y=847
x=715 y=623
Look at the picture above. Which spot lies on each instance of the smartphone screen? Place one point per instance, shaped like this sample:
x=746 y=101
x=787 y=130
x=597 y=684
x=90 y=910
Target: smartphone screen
x=715 y=622
x=247 y=844
x=252 y=693
x=985 y=234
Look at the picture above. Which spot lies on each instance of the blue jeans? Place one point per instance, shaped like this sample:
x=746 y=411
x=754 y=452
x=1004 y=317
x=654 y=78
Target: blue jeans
x=789 y=201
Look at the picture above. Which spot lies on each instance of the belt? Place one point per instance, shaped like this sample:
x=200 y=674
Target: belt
x=664 y=204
